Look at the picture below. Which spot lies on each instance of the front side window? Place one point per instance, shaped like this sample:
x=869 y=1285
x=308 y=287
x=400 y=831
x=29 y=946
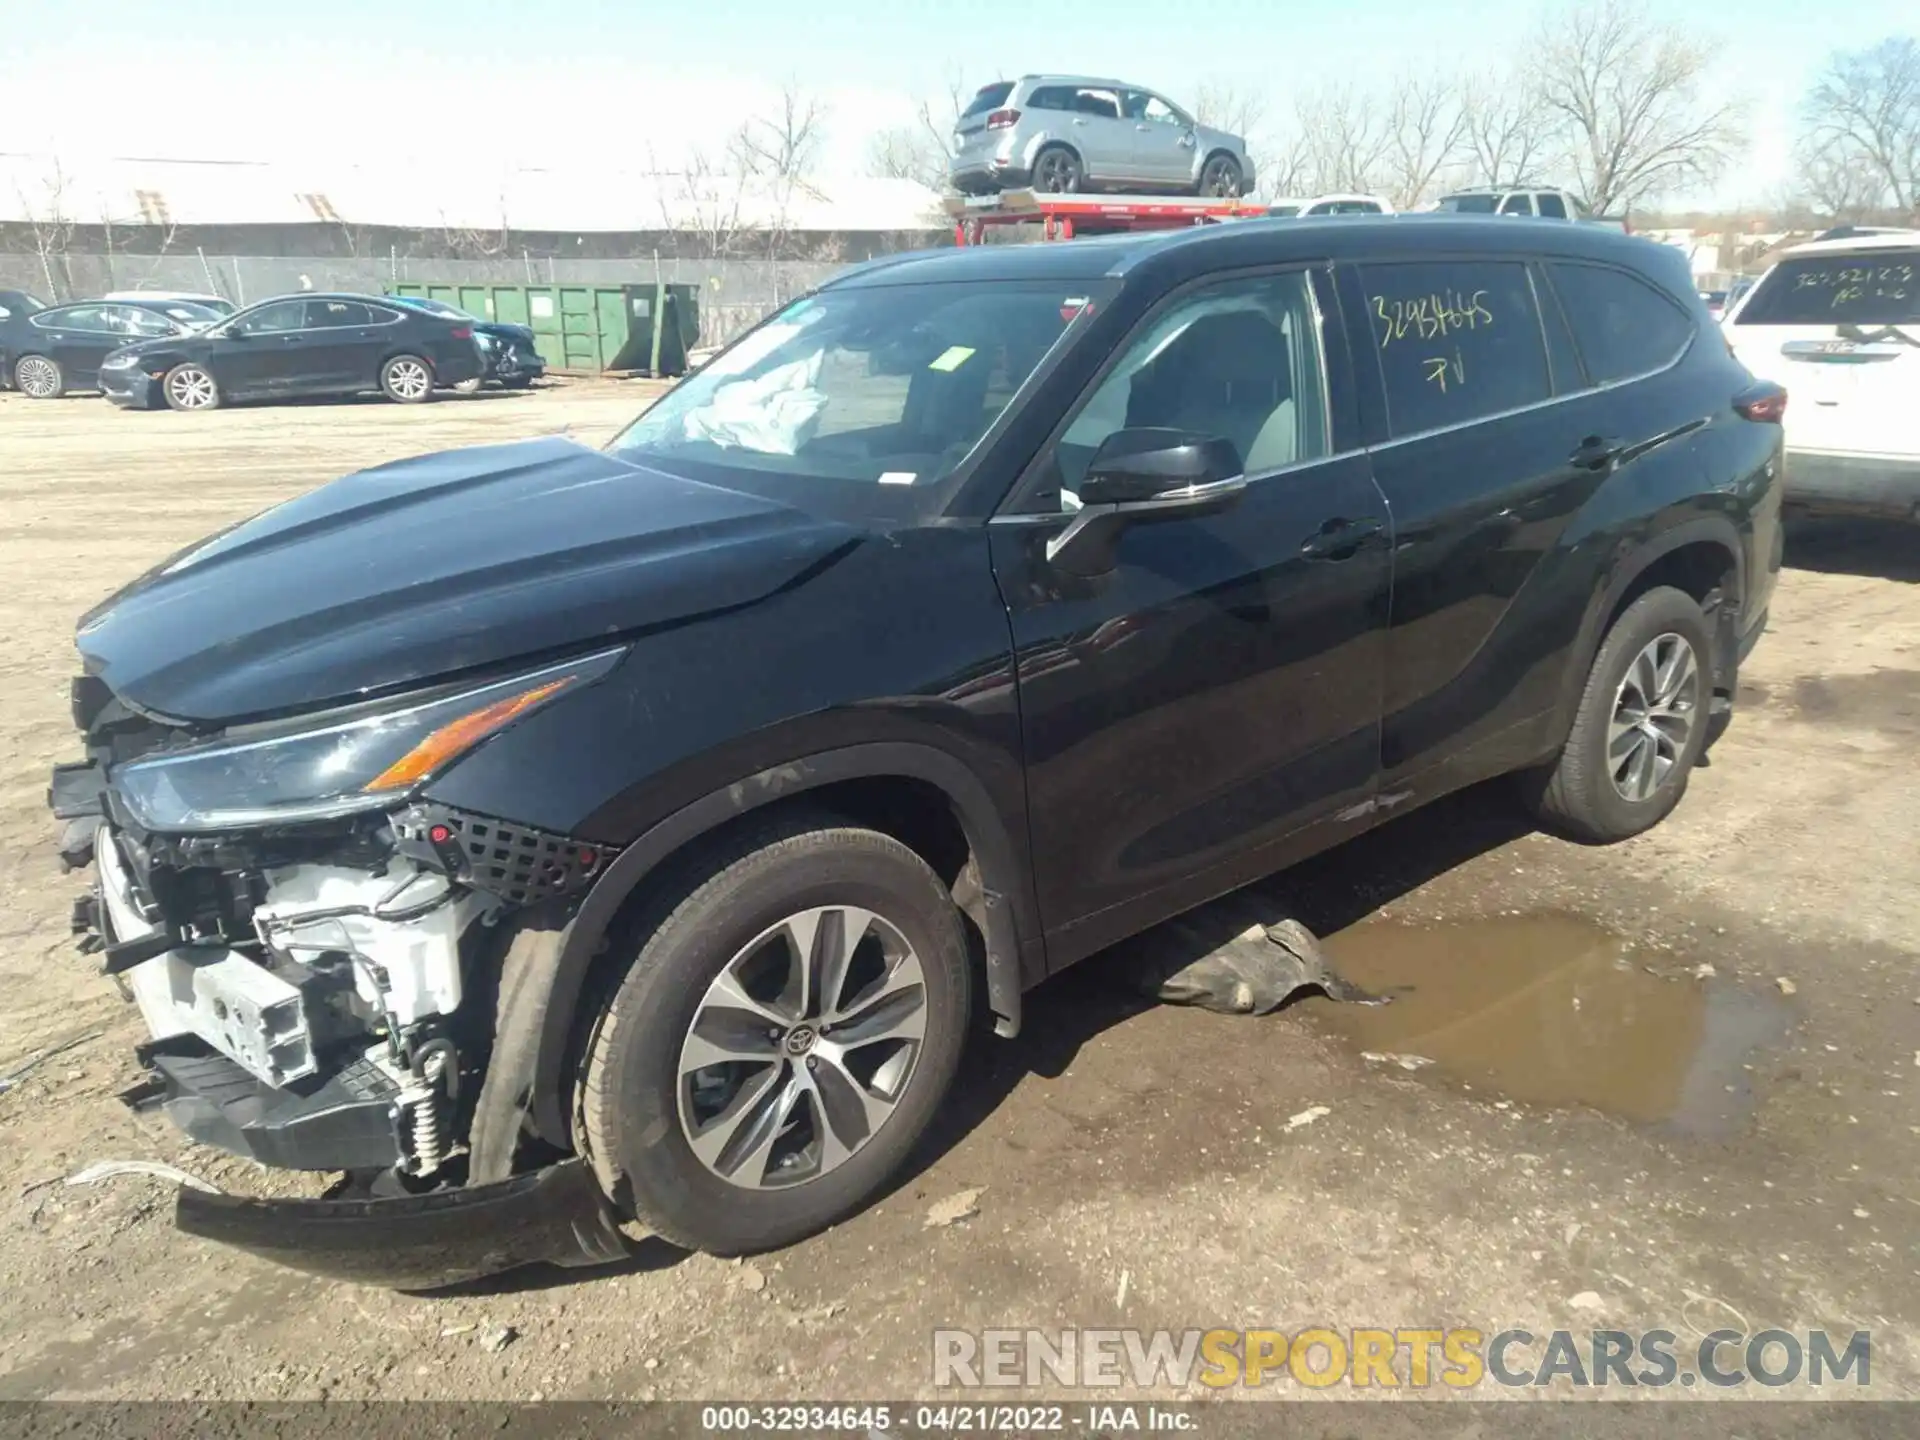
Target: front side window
x=1871 y=288
x=1144 y=105
x=861 y=397
x=1623 y=326
x=1455 y=341
x=1239 y=359
x=144 y=323
x=275 y=319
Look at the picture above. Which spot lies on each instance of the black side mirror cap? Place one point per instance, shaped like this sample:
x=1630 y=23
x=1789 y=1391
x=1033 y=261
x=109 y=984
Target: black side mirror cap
x=1145 y=465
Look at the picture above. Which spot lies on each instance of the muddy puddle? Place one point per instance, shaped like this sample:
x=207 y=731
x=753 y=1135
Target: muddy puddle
x=1555 y=1011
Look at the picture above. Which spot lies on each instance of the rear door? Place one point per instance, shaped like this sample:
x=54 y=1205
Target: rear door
x=1105 y=140
x=1490 y=451
x=78 y=338
x=339 y=345
x=1842 y=332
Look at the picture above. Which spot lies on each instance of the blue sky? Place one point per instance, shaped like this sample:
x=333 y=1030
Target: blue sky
x=613 y=81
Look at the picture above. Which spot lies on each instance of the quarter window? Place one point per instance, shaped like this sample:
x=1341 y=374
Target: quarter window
x=1239 y=360
x=90 y=319
x=1455 y=342
x=1622 y=325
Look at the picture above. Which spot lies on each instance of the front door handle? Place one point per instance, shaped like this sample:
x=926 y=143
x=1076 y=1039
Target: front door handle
x=1340 y=539
x=1596 y=453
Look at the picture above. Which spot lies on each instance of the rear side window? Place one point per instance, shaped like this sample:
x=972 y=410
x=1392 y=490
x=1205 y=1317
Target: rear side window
x=1551 y=205
x=1622 y=325
x=1455 y=341
x=1051 y=97
x=1876 y=288
x=991 y=97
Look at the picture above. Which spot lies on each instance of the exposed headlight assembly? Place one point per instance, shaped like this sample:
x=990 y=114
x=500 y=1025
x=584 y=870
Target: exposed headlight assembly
x=369 y=761
x=120 y=360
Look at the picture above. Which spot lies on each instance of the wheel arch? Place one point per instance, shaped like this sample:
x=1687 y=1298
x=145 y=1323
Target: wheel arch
x=1700 y=556
x=924 y=796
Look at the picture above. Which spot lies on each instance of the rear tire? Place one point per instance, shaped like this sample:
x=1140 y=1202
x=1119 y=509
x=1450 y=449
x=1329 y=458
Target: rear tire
x=190 y=387
x=1642 y=722
x=470 y=387
x=39 y=377
x=1058 y=171
x=407 y=380
x=830 y=1095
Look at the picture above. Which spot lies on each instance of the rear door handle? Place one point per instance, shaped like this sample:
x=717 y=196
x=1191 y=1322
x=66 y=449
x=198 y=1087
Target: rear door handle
x=1595 y=453
x=1340 y=539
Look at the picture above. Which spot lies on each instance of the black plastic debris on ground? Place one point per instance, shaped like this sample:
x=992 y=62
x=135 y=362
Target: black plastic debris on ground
x=1253 y=970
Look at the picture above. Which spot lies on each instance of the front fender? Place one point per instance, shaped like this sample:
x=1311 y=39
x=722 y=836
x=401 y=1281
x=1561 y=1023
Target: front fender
x=545 y=970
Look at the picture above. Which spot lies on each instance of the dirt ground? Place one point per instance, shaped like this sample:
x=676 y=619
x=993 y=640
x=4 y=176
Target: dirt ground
x=1674 y=1081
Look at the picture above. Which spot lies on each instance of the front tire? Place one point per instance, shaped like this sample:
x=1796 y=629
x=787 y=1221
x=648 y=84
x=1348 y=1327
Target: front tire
x=1220 y=176
x=1640 y=727
x=39 y=377
x=780 y=1041
x=407 y=380
x=190 y=387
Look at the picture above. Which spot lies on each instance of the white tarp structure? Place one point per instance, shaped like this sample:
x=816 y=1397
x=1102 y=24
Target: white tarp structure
x=458 y=195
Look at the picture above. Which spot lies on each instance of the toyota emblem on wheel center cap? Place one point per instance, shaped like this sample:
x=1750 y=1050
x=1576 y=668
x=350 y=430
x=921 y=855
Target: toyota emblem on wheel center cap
x=800 y=1039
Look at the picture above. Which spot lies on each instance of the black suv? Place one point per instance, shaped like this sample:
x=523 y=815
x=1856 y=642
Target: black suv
x=543 y=836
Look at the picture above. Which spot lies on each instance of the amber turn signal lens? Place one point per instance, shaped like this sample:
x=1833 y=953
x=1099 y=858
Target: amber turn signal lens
x=458 y=736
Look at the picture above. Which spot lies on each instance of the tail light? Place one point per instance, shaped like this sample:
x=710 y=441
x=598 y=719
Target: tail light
x=463 y=332
x=1003 y=119
x=1764 y=403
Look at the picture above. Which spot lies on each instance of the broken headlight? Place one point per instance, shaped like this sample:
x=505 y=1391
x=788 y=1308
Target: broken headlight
x=366 y=762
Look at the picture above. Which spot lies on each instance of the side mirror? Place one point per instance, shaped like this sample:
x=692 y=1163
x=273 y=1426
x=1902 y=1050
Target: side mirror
x=1159 y=467
x=1142 y=475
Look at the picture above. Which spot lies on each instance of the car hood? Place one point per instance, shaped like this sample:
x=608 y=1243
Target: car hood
x=431 y=567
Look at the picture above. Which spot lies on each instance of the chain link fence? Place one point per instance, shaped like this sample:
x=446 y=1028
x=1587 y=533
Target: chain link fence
x=734 y=294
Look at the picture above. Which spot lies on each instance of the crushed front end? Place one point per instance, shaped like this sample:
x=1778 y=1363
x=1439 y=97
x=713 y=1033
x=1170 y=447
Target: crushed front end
x=311 y=946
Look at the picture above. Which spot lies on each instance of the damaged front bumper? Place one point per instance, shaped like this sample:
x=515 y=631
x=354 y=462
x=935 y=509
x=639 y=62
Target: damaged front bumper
x=305 y=1009
x=420 y=1242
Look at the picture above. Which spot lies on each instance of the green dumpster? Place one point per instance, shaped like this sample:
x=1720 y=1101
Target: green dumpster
x=642 y=329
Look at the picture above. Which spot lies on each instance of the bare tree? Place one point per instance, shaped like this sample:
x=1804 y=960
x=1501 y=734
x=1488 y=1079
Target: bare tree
x=1507 y=129
x=1860 y=152
x=1426 y=129
x=921 y=151
x=1344 y=140
x=52 y=224
x=1624 y=93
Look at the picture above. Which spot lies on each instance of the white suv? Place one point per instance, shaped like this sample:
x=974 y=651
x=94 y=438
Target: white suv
x=1838 y=323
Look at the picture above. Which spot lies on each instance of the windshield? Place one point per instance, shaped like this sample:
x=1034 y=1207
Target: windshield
x=864 y=397
x=1470 y=204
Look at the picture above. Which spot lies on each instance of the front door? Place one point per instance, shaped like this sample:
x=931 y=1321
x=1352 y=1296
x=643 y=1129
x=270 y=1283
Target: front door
x=1163 y=141
x=1210 y=706
x=264 y=352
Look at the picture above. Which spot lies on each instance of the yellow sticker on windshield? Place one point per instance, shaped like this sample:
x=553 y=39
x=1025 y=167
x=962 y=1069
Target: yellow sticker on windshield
x=952 y=358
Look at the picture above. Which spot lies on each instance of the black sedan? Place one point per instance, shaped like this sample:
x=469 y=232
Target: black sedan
x=513 y=357
x=298 y=345
x=49 y=351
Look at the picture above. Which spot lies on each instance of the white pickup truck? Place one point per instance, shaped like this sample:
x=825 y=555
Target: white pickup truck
x=1547 y=204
